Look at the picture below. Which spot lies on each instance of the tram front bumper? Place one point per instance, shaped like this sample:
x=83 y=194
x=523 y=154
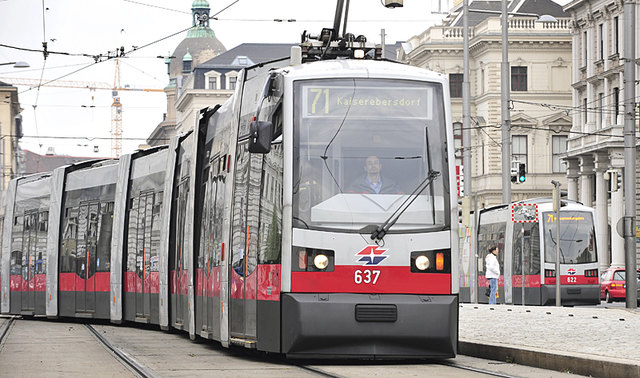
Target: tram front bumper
x=571 y=295
x=369 y=325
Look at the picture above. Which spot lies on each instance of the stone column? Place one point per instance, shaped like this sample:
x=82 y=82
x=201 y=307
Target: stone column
x=586 y=173
x=572 y=179
x=601 y=165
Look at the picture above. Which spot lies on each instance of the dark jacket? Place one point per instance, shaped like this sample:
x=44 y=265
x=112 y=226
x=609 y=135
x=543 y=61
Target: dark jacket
x=362 y=186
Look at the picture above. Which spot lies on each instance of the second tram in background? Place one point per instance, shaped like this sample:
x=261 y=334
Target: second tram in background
x=536 y=236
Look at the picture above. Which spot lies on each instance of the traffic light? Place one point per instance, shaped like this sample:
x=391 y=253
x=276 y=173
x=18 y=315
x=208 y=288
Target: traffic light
x=616 y=181
x=522 y=175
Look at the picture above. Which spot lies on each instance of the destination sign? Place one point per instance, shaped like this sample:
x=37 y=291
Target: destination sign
x=367 y=102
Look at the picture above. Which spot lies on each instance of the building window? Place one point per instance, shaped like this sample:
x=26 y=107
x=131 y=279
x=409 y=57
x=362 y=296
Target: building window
x=601 y=42
x=584 y=49
x=455 y=84
x=213 y=83
x=616 y=48
x=584 y=111
x=616 y=104
x=519 y=149
x=559 y=147
x=232 y=83
x=519 y=78
x=599 y=110
x=186 y=66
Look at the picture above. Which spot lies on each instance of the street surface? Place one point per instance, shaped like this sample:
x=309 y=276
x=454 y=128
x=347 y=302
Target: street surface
x=52 y=348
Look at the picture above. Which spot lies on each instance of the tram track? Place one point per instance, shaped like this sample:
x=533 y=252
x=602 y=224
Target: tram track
x=128 y=361
x=475 y=370
x=5 y=329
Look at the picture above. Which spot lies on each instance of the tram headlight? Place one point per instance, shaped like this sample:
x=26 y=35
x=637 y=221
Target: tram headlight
x=358 y=54
x=321 y=261
x=422 y=262
x=434 y=261
x=312 y=260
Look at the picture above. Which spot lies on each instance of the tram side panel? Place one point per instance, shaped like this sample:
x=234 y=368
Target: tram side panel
x=28 y=245
x=254 y=316
x=85 y=246
x=180 y=245
x=143 y=222
x=211 y=246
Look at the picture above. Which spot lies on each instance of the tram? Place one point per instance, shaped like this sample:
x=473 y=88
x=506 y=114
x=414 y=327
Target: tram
x=253 y=229
x=527 y=243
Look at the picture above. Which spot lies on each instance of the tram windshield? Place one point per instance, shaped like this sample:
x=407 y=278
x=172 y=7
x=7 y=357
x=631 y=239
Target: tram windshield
x=362 y=147
x=577 y=237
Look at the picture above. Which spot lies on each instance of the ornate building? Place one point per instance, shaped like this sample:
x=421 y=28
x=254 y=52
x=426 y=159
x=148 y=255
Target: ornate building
x=200 y=45
x=540 y=67
x=595 y=153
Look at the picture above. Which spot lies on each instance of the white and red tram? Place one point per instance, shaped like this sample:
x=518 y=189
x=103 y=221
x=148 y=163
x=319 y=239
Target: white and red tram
x=253 y=229
x=529 y=247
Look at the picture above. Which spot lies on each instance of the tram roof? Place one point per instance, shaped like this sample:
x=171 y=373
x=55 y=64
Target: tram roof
x=362 y=68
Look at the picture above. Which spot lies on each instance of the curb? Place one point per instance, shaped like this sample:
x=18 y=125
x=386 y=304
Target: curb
x=582 y=364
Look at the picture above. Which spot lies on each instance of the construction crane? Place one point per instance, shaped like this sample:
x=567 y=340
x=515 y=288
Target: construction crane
x=116 y=105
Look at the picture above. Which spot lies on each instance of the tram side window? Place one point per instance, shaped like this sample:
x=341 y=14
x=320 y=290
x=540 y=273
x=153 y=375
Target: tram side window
x=105 y=225
x=41 y=246
x=16 y=246
x=218 y=214
x=156 y=224
x=531 y=248
x=490 y=235
x=69 y=240
x=270 y=234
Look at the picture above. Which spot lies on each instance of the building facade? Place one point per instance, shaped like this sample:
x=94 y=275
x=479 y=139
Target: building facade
x=10 y=133
x=540 y=67
x=595 y=151
x=200 y=45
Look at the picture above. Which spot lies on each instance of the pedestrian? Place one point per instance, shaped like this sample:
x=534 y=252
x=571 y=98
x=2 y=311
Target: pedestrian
x=492 y=272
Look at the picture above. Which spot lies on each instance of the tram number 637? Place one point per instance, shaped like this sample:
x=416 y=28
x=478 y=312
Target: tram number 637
x=366 y=276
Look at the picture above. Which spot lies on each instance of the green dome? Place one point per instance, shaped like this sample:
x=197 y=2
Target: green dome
x=200 y=4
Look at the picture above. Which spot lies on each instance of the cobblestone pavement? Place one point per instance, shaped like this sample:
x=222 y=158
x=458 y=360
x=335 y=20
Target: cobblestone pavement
x=603 y=332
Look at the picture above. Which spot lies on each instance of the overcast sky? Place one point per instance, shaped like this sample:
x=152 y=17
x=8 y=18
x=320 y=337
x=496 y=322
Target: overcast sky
x=73 y=121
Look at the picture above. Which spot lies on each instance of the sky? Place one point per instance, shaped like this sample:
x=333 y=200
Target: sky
x=74 y=121
x=77 y=121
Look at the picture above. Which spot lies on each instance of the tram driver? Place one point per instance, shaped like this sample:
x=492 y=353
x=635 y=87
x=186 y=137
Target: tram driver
x=372 y=181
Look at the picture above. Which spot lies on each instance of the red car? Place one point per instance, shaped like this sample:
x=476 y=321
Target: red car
x=612 y=285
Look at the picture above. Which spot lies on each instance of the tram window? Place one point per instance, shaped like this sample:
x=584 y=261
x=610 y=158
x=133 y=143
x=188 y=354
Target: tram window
x=531 y=248
x=16 y=245
x=105 y=226
x=489 y=235
x=156 y=224
x=270 y=234
x=69 y=235
x=41 y=247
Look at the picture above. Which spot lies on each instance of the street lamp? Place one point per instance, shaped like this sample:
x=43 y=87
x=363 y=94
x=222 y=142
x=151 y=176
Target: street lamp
x=16 y=64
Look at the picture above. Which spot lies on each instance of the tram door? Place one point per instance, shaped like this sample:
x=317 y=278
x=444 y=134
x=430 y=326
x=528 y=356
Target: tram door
x=244 y=285
x=143 y=256
x=29 y=238
x=86 y=257
x=206 y=262
x=181 y=274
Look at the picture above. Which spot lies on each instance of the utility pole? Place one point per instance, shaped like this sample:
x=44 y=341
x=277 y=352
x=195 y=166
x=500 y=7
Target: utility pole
x=630 y=153
x=506 y=119
x=466 y=142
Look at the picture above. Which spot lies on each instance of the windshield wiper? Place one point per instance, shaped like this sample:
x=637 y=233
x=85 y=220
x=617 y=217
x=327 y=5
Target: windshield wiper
x=382 y=230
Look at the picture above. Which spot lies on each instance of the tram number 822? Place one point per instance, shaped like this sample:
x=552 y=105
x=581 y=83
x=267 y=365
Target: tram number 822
x=366 y=276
